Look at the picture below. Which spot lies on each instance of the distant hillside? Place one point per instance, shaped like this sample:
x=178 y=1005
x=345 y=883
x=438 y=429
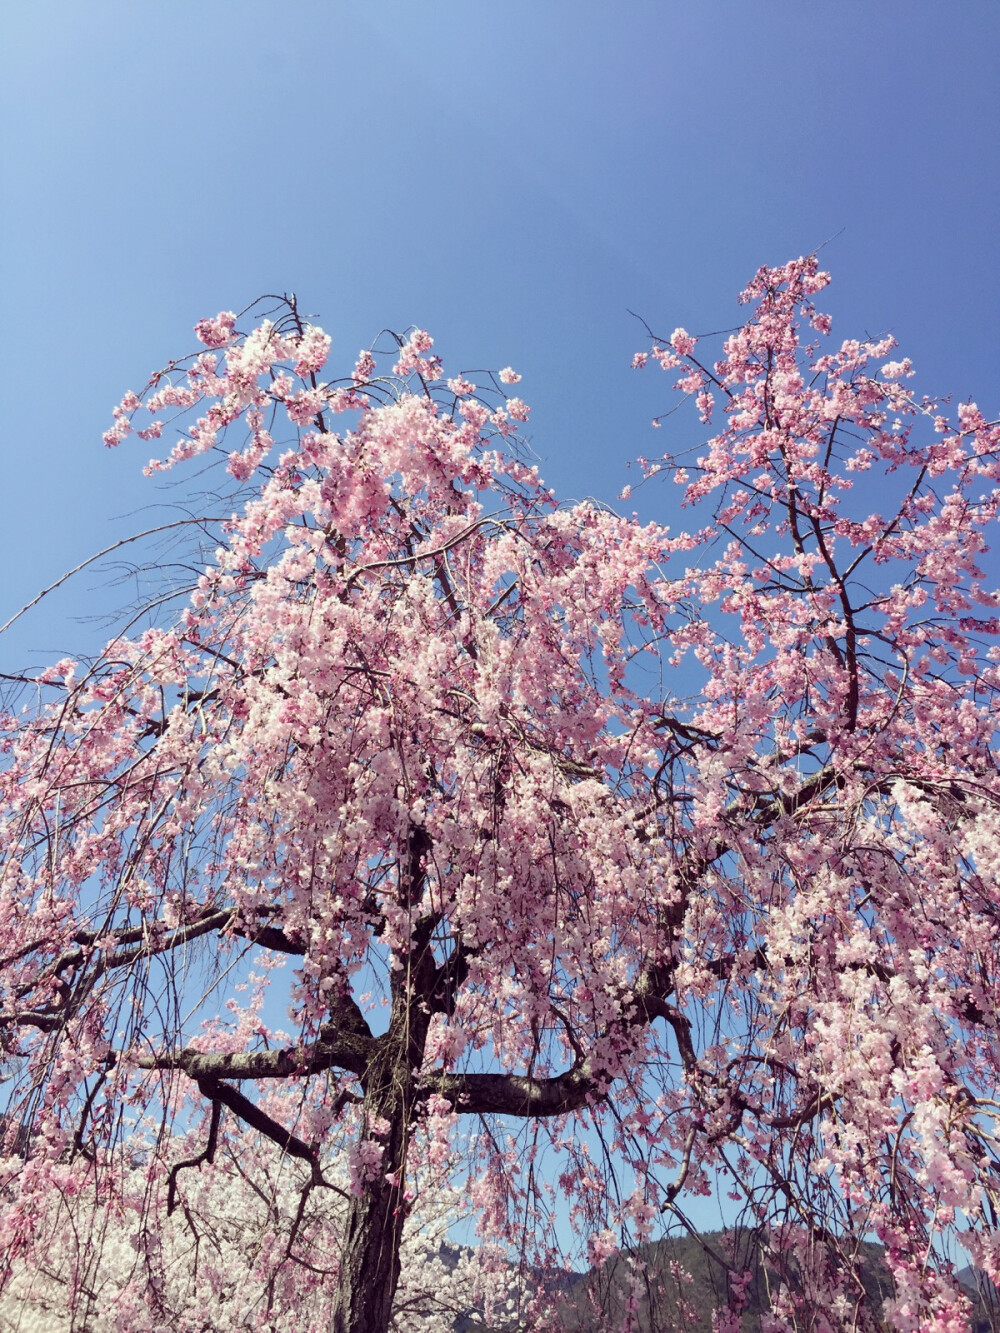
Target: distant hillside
x=683 y=1285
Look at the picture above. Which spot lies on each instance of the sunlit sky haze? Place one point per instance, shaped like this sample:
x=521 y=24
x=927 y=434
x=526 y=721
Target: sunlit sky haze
x=515 y=177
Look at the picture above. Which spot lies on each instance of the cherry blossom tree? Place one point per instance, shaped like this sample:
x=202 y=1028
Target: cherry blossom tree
x=608 y=863
x=247 y=1240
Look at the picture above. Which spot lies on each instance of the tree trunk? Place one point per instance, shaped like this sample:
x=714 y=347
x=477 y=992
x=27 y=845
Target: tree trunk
x=369 y=1259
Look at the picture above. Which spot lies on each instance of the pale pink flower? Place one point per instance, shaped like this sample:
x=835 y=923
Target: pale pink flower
x=217 y=332
x=682 y=342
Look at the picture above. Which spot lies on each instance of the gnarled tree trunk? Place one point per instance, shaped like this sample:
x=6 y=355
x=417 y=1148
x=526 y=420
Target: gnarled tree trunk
x=369 y=1261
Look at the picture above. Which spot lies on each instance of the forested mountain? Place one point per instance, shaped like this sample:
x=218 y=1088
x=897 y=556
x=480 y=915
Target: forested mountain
x=683 y=1282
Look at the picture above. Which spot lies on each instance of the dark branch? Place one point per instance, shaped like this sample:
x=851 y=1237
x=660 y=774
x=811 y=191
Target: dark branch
x=257 y=1119
x=207 y=1154
x=346 y=1042
x=518 y=1094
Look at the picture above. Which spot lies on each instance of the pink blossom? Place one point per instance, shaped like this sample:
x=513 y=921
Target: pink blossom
x=682 y=342
x=217 y=332
x=364 y=368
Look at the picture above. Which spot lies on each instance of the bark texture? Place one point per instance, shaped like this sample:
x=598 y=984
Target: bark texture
x=373 y=1232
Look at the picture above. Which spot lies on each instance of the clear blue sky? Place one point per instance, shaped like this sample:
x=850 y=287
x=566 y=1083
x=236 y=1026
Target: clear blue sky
x=513 y=175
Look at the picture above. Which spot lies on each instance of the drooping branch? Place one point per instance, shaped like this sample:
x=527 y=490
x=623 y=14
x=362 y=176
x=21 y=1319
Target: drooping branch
x=207 y=1154
x=154 y=938
x=130 y=946
x=251 y=1114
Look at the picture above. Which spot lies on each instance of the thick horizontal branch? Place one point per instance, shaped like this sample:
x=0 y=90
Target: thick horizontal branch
x=42 y=1019
x=346 y=1042
x=138 y=941
x=209 y=918
x=288 y=1062
x=270 y=937
x=155 y=943
x=518 y=1094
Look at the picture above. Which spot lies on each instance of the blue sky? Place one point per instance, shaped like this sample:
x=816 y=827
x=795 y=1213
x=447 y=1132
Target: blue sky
x=513 y=176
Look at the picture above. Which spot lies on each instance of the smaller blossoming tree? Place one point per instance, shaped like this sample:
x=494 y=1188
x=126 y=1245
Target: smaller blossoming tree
x=248 y=1241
